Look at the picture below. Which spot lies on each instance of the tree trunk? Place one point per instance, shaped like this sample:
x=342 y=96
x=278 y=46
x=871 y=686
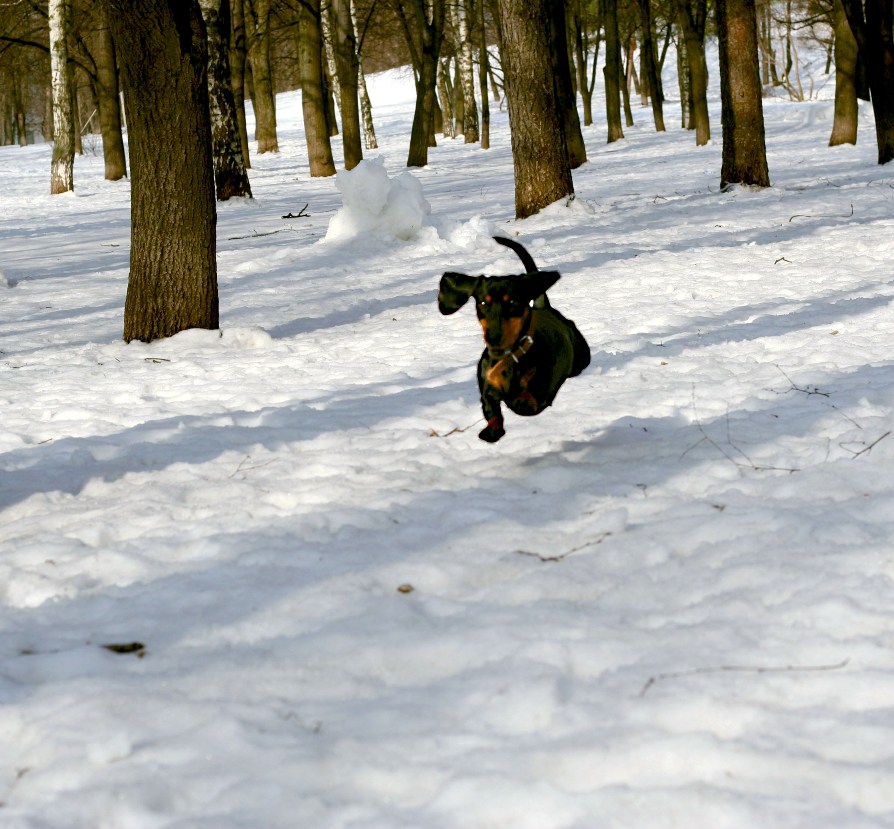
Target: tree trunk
x=466 y=71
x=445 y=92
x=612 y=71
x=537 y=122
x=369 y=129
x=257 y=19
x=313 y=92
x=744 y=151
x=874 y=32
x=348 y=67
x=62 y=163
x=652 y=79
x=238 y=53
x=844 y=125
x=692 y=18
x=173 y=270
x=424 y=28
x=107 y=94
x=577 y=151
x=230 y=176
x=483 y=67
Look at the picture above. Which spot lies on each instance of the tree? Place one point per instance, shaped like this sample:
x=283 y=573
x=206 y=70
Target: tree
x=652 y=77
x=577 y=151
x=238 y=56
x=230 y=176
x=459 y=14
x=742 y=114
x=62 y=164
x=847 y=70
x=872 y=23
x=107 y=93
x=692 y=17
x=257 y=24
x=423 y=24
x=173 y=271
x=313 y=92
x=612 y=71
x=537 y=122
x=347 y=66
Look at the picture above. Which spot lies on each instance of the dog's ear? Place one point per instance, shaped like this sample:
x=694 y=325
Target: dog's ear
x=539 y=282
x=455 y=290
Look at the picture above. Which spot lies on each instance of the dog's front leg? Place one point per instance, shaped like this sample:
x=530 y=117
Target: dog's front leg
x=490 y=405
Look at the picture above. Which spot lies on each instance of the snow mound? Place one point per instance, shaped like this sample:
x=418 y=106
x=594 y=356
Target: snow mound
x=376 y=204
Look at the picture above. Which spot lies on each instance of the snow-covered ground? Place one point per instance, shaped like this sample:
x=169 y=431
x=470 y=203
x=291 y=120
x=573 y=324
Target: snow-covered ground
x=665 y=602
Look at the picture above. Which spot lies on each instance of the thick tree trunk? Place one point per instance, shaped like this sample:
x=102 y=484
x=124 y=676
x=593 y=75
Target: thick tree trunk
x=230 y=176
x=539 y=147
x=612 y=71
x=62 y=163
x=257 y=18
x=313 y=92
x=744 y=150
x=873 y=26
x=348 y=67
x=173 y=270
x=844 y=124
x=107 y=93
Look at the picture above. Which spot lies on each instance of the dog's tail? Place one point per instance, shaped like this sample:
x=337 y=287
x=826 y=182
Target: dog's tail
x=527 y=261
x=525 y=257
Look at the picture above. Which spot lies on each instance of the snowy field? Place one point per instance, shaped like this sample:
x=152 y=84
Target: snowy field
x=665 y=602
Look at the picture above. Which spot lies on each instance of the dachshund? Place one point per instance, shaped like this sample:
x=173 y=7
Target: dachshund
x=530 y=348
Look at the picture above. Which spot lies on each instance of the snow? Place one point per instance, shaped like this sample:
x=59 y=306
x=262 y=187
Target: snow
x=665 y=602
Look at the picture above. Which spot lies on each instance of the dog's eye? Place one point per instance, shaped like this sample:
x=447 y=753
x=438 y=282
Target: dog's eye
x=505 y=297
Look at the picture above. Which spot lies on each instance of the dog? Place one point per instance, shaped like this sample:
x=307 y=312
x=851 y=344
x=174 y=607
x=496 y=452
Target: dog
x=530 y=348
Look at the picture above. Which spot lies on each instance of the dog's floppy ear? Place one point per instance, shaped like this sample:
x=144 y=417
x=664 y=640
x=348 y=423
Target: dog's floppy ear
x=455 y=290
x=539 y=282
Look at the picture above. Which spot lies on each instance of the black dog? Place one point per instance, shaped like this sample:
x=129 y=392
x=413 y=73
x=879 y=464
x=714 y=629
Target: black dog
x=531 y=349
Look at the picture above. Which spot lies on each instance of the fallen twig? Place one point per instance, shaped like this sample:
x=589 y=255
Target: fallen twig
x=810 y=216
x=299 y=215
x=455 y=430
x=567 y=553
x=750 y=669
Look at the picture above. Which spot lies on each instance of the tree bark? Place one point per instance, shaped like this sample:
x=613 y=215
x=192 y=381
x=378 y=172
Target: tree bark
x=744 y=150
x=577 y=151
x=612 y=71
x=348 y=68
x=692 y=17
x=173 y=270
x=873 y=26
x=107 y=93
x=238 y=52
x=652 y=80
x=257 y=19
x=844 y=124
x=466 y=71
x=537 y=123
x=313 y=92
x=369 y=129
x=230 y=176
x=62 y=163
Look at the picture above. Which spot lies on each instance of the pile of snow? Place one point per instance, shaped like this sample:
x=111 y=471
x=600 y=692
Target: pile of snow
x=376 y=203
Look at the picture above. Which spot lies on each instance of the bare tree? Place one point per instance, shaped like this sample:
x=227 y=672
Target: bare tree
x=313 y=92
x=347 y=66
x=539 y=147
x=263 y=99
x=230 y=176
x=744 y=151
x=612 y=70
x=847 y=66
x=62 y=164
x=173 y=270
x=692 y=17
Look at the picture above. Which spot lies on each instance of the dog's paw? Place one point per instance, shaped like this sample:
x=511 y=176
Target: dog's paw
x=492 y=432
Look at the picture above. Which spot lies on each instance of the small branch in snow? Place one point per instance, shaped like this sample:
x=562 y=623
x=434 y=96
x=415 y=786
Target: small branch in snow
x=809 y=216
x=255 y=235
x=749 y=669
x=299 y=215
x=782 y=259
x=808 y=390
x=454 y=431
x=869 y=448
x=567 y=553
